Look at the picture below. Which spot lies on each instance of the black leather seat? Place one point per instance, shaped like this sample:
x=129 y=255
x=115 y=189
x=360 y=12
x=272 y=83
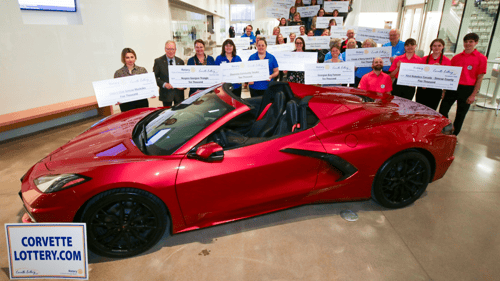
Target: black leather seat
x=265 y=127
x=288 y=120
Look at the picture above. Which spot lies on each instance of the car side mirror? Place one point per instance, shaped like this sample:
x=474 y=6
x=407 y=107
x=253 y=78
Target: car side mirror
x=210 y=152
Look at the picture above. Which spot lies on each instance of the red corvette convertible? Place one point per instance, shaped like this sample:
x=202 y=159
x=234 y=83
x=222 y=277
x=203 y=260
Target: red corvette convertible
x=217 y=158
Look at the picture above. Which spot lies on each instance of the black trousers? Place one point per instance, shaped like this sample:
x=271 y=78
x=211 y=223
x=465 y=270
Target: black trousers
x=126 y=106
x=356 y=81
x=460 y=96
x=429 y=97
x=237 y=92
x=406 y=92
x=256 y=93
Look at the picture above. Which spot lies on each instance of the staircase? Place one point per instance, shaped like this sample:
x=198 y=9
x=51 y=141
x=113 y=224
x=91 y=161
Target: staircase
x=481 y=22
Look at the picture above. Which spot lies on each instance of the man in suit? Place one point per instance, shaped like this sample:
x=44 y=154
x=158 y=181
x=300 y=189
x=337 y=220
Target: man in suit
x=167 y=93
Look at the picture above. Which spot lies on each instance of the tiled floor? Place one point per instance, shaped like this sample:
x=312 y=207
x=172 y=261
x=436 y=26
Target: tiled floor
x=451 y=233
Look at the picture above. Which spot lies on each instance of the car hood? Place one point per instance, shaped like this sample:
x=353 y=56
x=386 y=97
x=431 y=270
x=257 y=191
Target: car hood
x=109 y=141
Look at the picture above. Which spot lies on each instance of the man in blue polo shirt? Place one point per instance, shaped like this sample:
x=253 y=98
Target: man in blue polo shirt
x=248 y=33
x=398 y=46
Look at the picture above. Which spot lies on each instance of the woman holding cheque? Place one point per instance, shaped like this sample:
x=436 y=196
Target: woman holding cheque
x=258 y=88
x=129 y=69
x=427 y=96
x=409 y=56
x=228 y=55
x=200 y=58
x=297 y=76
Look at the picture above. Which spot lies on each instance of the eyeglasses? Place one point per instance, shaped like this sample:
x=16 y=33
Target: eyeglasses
x=169 y=49
x=299 y=43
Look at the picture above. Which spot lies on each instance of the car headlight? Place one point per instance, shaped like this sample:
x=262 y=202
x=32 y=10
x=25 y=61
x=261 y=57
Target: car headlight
x=53 y=183
x=448 y=130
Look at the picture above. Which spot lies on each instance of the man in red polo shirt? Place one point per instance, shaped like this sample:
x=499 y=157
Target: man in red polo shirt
x=473 y=66
x=376 y=81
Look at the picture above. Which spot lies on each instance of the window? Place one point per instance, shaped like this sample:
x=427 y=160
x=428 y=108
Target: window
x=242 y=13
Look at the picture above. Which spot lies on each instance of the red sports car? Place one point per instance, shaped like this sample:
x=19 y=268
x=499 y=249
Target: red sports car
x=217 y=158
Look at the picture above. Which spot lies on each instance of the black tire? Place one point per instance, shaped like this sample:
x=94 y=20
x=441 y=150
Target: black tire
x=124 y=222
x=401 y=180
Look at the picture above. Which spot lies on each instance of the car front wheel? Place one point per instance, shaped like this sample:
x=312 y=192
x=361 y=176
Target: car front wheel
x=401 y=180
x=124 y=222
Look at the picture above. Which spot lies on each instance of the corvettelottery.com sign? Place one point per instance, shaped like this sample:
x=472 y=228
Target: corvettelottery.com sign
x=47 y=250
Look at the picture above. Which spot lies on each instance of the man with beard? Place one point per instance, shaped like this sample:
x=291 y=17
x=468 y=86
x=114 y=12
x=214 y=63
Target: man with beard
x=376 y=80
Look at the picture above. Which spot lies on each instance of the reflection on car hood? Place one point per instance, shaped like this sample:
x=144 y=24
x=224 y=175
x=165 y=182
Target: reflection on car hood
x=112 y=138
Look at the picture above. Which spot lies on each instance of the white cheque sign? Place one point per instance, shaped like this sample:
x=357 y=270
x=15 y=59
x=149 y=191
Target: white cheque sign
x=283 y=3
x=329 y=73
x=308 y=11
x=379 y=35
x=240 y=72
x=295 y=61
x=363 y=57
x=125 y=89
x=47 y=250
x=245 y=54
x=286 y=30
x=429 y=76
x=270 y=39
x=341 y=31
x=317 y=42
x=323 y=22
x=329 y=6
x=241 y=42
x=277 y=12
x=193 y=76
x=280 y=48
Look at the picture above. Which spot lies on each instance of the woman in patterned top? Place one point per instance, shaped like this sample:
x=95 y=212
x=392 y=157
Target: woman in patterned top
x=129 y=68
x=297 y=76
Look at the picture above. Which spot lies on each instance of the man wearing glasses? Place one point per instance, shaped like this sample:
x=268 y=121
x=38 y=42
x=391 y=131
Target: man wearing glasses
x=168 y=94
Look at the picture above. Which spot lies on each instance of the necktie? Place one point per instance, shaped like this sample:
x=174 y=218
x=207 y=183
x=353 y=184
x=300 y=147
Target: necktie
x=171 y=62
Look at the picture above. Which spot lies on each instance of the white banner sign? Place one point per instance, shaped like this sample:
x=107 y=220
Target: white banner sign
x=379 y=35
x=342 y=6
x=283 y=3
x=429 y=76
x=280 y=48
x=323 y=22
x=47 y=250
x=363 y=57
x=317 y=42
x=241 y=42
x=277 y=12
x=245 y=54
x=341 y=31
x=329 y=73
x=125 y=89
x=193 y=76
x=270 y=39
x=286 y=30
x=295 y=61
x=240 y=72
x=308 y=11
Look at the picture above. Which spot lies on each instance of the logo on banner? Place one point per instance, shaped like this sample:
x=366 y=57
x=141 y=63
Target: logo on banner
x=426 y=69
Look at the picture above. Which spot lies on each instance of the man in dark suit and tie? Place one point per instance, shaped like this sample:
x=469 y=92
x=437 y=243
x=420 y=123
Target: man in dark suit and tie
x=160 y=68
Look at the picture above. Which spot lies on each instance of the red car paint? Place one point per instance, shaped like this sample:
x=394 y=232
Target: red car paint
x=250 y=180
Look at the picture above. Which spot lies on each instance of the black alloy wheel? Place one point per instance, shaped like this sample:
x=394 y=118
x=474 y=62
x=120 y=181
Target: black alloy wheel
x=124 y=222
x=401 y=180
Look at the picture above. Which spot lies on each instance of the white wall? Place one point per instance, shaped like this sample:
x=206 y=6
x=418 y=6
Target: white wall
x=43 y=64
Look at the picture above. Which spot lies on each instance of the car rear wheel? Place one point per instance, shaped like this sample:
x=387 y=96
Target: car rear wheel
x=124 y=222
x=401 y=180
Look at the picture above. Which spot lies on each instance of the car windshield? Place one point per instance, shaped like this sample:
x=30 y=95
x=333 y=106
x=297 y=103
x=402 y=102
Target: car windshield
x=173 y=127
